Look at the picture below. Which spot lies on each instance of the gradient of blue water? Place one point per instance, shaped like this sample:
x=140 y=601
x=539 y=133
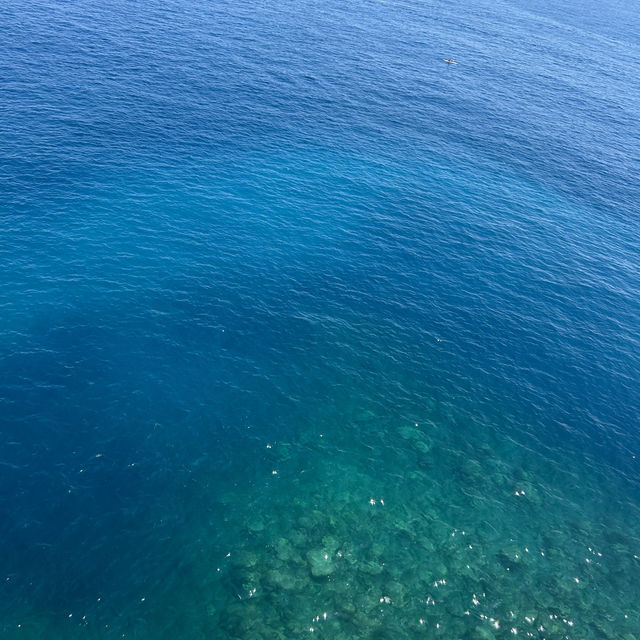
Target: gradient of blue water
x=217 y=218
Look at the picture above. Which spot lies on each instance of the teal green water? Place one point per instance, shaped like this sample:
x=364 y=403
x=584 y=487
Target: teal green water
x=305 y=333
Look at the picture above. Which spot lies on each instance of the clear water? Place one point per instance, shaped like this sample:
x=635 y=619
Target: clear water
x=305 y=333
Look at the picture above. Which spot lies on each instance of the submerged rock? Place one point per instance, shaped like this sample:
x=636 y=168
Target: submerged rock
x=282 y=580
x=510 y=556
x=346 y=608
x=396 y=591
x=482 y=633
x=422 y=446
x=371 y=568
x=247 y=559
x=255 y=526
x=330 y=544
x=321 y=563
x=410 y=433
x=284 y=550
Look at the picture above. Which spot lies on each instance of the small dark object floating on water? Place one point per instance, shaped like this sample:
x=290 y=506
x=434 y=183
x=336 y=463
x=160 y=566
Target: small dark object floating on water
x=450 y=61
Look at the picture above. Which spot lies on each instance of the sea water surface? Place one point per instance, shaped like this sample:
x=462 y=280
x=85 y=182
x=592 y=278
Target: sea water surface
x=305 y=333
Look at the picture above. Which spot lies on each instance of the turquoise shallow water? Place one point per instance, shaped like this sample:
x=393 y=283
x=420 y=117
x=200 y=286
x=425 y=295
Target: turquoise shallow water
x=305 y=333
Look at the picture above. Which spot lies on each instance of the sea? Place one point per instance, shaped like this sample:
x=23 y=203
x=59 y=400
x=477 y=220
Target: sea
x=306 y=333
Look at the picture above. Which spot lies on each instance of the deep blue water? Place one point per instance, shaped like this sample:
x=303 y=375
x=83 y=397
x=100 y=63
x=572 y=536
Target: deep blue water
x=277 y=282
